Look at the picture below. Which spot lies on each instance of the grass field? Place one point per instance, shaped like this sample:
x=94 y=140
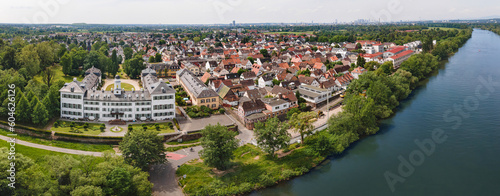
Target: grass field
x=62 y=144
x=34 y=153
x=291 y=32
x=64 y=126
x=252 y=169
x=442 y=28
x=126 y=86
x=164 y=127
x=59 y=75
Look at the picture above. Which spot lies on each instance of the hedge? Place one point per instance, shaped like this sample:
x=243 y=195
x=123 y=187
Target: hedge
x=36 y=130
x=86 y=136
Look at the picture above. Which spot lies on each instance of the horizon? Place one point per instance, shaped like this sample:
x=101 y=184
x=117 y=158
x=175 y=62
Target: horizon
x=220 y=12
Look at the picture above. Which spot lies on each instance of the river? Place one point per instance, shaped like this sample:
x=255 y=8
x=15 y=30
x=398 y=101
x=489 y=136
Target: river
x=461 y=158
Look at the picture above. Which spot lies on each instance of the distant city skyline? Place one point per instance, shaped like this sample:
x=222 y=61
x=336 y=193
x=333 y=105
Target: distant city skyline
x=227 y=11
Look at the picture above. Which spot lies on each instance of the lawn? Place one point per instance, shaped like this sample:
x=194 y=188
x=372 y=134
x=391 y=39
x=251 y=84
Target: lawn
x=78 y=128
x=59 y=75
x=252 y=170
x=34 y=153
x=291 y=32
x=442 y=28
x=164 y=127
x=62 y=144
x=126 y=86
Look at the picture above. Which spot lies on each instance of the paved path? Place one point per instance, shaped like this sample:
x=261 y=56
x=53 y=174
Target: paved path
x=163 y=176
x=52 y=148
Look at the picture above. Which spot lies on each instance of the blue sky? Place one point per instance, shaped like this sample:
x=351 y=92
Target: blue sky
x=225 y=11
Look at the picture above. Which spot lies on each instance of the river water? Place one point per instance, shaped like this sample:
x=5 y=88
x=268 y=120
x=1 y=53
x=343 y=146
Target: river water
x=462 y=157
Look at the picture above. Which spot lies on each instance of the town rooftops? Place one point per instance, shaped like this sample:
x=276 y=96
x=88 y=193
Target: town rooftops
x=402 y=54
x=195 y=85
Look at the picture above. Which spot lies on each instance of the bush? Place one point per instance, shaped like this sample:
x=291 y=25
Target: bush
x=177 y=124
x=170 y=125
x=130 y=127
x=157 y=126
x=86 y=125
x=102 y=127
x=56 y=124
x=72 y=124
x=221 y=110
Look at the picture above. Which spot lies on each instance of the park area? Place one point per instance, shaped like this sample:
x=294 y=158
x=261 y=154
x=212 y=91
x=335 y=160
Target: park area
x=167 y=127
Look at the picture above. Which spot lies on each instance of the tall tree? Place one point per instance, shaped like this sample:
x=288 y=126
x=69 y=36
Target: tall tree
x=48 y=75
x=23 y=109
x=28 y=59
x=271 y=135
x=47 y=53
x=128 y=52
x=302 y=123
x=40 y=115
x=218 y=146
x=66 y=63
x=143 y=148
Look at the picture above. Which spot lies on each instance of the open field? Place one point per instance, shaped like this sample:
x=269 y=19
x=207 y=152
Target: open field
x=59 y=75
x=442 y=28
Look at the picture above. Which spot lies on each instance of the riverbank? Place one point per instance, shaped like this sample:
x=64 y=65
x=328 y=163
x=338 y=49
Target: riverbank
x=344 y=130
x=462 y=165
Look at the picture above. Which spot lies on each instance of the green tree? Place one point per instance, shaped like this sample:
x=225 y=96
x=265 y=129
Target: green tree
x=28 y=59
x=360 y=61
x=133 y=67
x=47 y=53
x=271 y=135
x=87 y=190
x=66 y=63
x=143 y=148
x=302 y=123
x=158 y=57
x=40 y=115
x=23 y=109
x=151 y=59
x=196 y=39
x=119 y=182
x=292 y=111
x=264 y=52
x=218 y=146
x=128 y=52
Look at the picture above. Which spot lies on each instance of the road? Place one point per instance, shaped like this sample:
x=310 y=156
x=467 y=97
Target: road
x=163 y=176
x=52 y=148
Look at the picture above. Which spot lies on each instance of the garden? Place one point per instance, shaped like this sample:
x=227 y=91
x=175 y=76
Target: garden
x=84 y=128
x=202 y=111
x=167 y=127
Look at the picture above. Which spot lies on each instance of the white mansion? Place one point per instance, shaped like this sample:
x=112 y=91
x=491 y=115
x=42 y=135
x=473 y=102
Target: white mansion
x=82 y=100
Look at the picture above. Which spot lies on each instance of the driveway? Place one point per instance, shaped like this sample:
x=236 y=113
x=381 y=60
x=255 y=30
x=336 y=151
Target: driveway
x=187 y=124
x=163 y=176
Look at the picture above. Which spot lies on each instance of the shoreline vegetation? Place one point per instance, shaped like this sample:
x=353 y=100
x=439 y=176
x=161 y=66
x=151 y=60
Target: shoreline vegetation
x=253 y=169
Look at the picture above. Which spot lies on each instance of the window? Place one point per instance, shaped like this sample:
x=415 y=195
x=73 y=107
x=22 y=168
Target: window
x=213 y=100
x=214 y=105
x=202 y=101
x=208 y=100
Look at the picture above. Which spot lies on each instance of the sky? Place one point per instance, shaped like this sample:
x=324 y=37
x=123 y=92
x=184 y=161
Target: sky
x=241 y=11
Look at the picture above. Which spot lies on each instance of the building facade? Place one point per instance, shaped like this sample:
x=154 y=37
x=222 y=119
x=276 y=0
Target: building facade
x=82 y=100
